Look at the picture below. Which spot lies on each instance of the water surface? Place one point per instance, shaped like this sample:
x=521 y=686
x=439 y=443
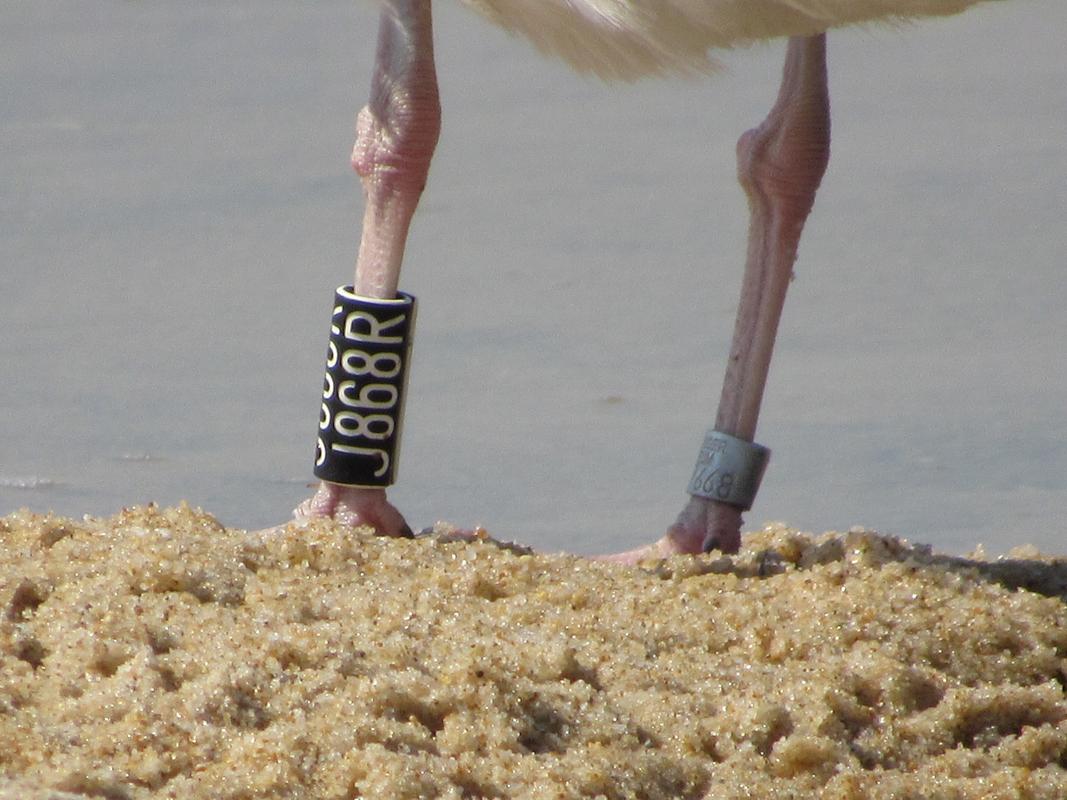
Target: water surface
x=176 y=208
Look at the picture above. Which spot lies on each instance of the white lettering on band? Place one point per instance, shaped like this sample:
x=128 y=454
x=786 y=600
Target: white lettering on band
x=351 y=424
x=365 y=451
x=374 y=328
x=366 y=396
x=379 y=365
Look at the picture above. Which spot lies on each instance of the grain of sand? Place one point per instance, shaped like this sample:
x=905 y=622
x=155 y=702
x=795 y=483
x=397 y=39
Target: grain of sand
x=158 y=655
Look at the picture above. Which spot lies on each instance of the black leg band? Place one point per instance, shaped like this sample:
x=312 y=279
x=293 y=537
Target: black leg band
x=363 y=392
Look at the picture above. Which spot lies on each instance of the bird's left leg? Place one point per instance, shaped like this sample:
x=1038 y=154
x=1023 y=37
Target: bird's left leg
x=396 y=133
x=780 y=164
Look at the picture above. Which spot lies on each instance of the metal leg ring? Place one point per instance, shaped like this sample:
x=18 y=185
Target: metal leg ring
x=729 y=470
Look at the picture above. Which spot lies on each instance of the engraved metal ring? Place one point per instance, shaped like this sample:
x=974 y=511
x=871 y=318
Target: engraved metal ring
x=729 y=470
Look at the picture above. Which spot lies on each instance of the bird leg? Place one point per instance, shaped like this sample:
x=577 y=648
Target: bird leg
x=779 y=164
x=396 y=133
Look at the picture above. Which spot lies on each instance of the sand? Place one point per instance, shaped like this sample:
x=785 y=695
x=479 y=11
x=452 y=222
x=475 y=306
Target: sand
x=158 y=655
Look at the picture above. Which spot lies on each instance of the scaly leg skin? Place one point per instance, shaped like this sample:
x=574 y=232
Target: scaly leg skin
x=396 y=133
x=779 y=164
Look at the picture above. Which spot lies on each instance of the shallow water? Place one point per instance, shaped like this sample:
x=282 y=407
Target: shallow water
x=176 y=208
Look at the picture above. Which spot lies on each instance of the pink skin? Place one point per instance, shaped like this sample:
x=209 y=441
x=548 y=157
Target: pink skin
x=396 y=133
x=780 y=165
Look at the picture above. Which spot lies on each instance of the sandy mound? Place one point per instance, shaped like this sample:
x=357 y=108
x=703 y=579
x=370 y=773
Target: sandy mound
x=157 y=654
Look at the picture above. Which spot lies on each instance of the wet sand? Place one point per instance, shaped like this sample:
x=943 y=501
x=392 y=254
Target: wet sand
x=158 y=655
x=175 y=189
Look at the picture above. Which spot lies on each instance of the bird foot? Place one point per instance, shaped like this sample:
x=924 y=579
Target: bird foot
x=353 y=506
x=704 y=525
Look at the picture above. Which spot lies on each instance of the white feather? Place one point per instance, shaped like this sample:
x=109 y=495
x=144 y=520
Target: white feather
x=627 y=39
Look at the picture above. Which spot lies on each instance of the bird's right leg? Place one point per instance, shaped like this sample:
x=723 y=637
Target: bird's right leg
x=780 y=165
x=396 y=134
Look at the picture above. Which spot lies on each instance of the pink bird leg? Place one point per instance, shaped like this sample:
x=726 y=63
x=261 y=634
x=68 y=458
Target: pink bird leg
x=780 y=164
x=396 y=133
